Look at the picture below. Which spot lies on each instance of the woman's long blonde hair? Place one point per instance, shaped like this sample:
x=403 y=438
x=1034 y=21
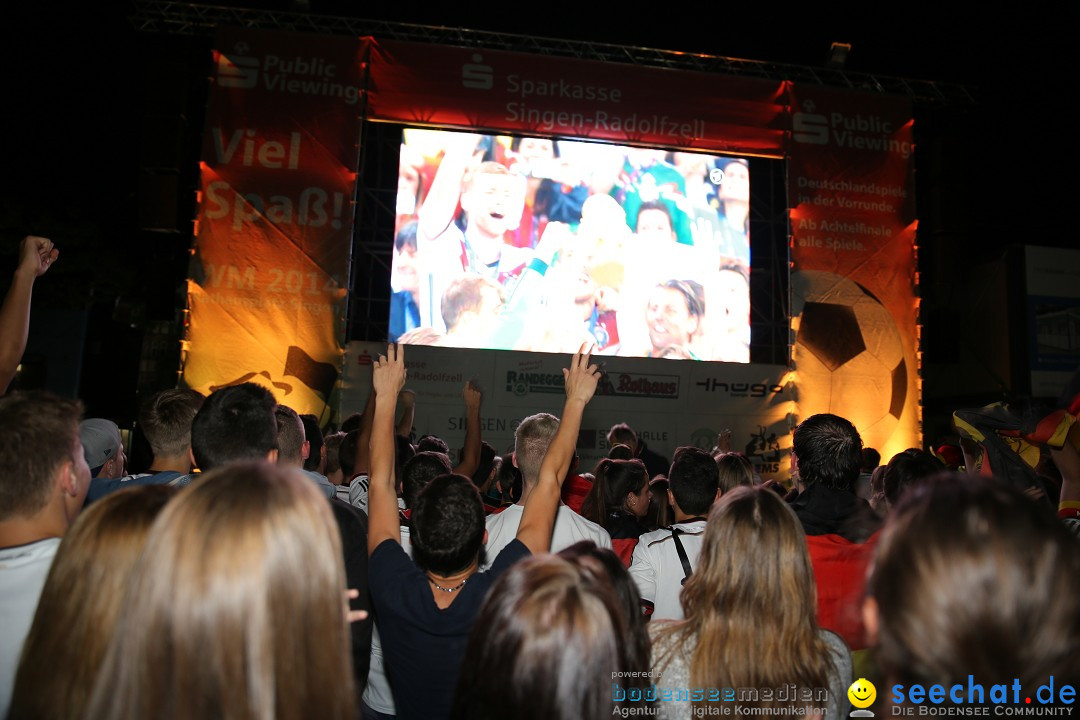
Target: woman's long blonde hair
x=751 y=603
x=236 y=608
x=80 y=603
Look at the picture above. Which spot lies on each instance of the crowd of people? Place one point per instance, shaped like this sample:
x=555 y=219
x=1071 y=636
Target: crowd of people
x=640 y=252
x=257 y=569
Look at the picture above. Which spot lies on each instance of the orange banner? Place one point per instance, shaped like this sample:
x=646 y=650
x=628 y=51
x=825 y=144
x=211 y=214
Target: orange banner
x=855 y=310
x=269 y=273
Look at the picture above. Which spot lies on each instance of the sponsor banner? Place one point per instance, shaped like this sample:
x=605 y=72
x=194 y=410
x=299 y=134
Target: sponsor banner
x=435 y=375
x=529 y=377
x=663 y=400
x=268 y=275
x=426 y=84
x=854 y=304
x=852 y=189
x=627 y=382
x=713 y=384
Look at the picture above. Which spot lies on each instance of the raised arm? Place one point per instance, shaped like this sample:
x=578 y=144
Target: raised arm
x=363 y=442
x=442 y=199
x=387 y=380
x=470 y=459
x=36 y=255
x=538 y=517
x=407 y=399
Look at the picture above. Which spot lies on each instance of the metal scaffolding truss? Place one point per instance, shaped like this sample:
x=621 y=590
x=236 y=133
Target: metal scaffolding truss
x=194 y=19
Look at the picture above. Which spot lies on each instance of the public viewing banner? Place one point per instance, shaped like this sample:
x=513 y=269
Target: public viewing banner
x=269 y=273
x=438 y=85
x=854 y=304
x=669 y=403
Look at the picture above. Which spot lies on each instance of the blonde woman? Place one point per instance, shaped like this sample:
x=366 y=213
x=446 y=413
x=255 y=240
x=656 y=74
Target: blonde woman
x=80 y=603
x=236 y=608
x=750 y=618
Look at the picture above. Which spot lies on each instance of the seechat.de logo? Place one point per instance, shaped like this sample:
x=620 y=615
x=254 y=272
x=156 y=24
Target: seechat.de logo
x=476 y=75
x=237 y=72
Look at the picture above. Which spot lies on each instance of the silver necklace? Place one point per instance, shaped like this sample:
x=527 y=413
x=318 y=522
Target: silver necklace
x=448 y=590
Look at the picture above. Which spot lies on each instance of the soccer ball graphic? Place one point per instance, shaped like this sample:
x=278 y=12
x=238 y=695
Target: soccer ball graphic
x=848 y=355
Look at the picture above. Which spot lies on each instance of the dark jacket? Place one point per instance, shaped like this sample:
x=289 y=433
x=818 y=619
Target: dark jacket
x=825 y=511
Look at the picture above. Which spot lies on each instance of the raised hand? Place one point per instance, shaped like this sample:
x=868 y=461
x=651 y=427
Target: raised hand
x=581 y=377
x=388 y=376
x=386 y=380
x=36 y=255
x=472 y=395
x=351 y=615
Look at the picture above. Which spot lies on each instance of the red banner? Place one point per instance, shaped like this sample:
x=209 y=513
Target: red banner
x=422 y=84
x=269 y=274
x=852 y=195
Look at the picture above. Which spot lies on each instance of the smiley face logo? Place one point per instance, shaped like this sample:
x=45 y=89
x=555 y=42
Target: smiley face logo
x=862 y=693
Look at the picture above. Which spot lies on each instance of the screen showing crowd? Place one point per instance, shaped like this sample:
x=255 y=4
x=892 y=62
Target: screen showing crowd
x=523 y=243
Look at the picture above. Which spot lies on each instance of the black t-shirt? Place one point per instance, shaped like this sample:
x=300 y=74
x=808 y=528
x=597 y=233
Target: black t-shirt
x=423 y=646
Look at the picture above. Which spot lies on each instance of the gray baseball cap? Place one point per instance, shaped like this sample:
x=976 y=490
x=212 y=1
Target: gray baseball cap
x=100 y=439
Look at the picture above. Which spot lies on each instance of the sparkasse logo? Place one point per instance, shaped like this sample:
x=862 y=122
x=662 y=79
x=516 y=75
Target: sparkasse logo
x=237 y=72
x=476 y=75
x=810 y=128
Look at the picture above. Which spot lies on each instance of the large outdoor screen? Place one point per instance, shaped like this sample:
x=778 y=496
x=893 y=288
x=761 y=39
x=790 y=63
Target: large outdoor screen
x=527 y=243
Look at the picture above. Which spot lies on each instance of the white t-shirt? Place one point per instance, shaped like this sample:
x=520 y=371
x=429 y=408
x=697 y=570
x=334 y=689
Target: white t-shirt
x=358 y=493
x=358 y=489
x=23 y=570
x=657 y=570
x=342 y=493
x=569 y=529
